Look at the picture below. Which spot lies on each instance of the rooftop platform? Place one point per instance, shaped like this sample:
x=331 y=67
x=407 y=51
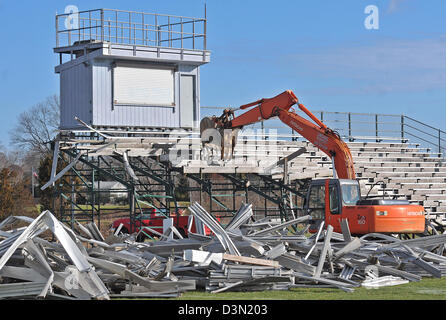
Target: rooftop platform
x=130 y=34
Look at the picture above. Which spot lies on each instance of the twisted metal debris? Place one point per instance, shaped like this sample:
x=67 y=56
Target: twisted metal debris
x=245 y=255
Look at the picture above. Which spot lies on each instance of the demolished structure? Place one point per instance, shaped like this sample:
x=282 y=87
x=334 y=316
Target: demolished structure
x=244 y=255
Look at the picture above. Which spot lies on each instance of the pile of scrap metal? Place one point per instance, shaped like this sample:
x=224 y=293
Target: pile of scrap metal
x=244 y=255
x=78 y=267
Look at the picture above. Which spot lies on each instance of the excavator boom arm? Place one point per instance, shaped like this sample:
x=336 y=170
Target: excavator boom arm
x=325 y=140
x=318 y=134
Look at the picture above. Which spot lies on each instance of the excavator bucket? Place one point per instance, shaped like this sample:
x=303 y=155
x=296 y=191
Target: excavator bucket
x=215 y=138
x=206 y=124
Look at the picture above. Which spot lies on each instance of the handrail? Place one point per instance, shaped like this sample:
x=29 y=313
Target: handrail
x=424 y=124
x=429 y=134
x=436 y=133
x=132 y=27
x=423 y=139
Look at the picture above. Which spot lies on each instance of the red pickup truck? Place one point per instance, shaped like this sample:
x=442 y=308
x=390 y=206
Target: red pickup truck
x=154 y=220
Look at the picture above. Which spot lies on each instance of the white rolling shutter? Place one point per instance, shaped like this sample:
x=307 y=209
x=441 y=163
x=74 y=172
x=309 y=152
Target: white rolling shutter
x=143 y=86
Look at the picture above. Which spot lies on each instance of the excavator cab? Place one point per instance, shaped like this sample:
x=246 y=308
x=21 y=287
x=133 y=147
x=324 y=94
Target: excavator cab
x=331 y=200
x=326 y=199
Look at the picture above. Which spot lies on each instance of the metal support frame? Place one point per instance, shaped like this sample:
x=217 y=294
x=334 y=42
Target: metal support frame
x=152 y=184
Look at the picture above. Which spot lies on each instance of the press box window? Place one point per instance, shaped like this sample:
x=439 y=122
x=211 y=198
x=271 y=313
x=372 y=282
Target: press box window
x=136 y=85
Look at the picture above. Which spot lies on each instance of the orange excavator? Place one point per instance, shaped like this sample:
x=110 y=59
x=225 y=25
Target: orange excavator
x=331 y=200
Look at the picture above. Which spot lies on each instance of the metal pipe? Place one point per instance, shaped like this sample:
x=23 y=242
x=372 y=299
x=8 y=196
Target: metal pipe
x=402 y=126
x=57 y=31
x=158 y=31
x=139 y=12
x=102 y=25
x=169 y=29
x=143 y=29
x=205 y=27
x=130 y=28
x=424 y=132
x=311 y=115
x=426 y=125
x=349 y=125
x=376 y=127
x=193 y=32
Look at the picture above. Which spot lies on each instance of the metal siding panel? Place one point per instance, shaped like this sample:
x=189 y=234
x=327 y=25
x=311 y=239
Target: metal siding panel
x=197 y=99
x=63 y=102
x=101 y=93
x=95 y=108
x=195 y=71
x=86 y=92
x=176 y=111
x=103 y=115
x=107 y=91
x=187 y=100
x=96 y=94
x=76 y=99
x=75 y=95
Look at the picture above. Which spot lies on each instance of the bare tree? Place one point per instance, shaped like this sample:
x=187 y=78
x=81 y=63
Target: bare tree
x=37 y=126
x=3 y=157
x=8 y=157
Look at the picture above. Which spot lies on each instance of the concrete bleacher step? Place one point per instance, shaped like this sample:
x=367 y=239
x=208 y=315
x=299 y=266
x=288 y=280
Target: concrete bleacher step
x=384 y=144
x=441 y=210
x=427 y=191
x=400 y=159
x=425 y=197
x=412 y=185
x=416 y=179
x=366 y=164
x=419 y=185
x=388 y=154
x=310 y=175
x=390 y=174
x=405 y=148
x=383 y=174
x=404 y=169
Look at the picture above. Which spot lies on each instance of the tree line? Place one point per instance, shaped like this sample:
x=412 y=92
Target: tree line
x=26 y=163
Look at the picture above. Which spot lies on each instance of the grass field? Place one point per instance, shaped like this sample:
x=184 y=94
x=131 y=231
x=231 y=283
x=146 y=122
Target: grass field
x=426 y=289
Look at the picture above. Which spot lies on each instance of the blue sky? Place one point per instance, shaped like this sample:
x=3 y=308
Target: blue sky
x=319 y=49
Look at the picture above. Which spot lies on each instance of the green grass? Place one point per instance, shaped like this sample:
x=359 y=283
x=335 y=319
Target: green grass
x=426 y=289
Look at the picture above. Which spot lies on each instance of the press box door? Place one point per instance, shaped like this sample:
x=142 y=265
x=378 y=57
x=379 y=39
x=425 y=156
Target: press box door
x=187 y=100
